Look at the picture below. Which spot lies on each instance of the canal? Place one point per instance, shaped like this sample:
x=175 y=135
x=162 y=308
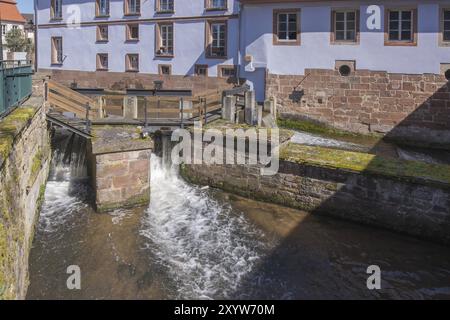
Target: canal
x=201 y=243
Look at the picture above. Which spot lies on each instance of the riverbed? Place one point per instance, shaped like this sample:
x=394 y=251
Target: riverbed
x=196 y=242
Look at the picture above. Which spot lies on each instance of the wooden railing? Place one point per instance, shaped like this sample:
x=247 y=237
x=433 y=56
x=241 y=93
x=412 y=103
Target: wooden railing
x=64 y=99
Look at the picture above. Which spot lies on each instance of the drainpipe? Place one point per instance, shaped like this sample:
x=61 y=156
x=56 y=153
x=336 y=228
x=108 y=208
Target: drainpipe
x=238 y=72
x=1 y=40
x=35 y=36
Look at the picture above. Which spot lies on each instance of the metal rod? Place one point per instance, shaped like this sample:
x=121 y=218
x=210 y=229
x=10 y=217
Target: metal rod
x=145 y=113
x=88 y=123
x=182 y=112
x=205 y=111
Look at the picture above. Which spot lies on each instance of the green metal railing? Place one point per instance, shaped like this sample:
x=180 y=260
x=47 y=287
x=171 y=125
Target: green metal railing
x=15 y=84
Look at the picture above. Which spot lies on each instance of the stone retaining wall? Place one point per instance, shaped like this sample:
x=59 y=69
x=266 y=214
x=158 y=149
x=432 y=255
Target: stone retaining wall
x=24 y=165
x=399 y=204
x=403 y=106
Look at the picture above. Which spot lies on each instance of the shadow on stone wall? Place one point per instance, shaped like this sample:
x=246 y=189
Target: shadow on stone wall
x=328 y=258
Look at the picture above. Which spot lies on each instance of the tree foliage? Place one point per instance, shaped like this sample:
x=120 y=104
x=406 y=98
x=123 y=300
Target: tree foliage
x=16 y=41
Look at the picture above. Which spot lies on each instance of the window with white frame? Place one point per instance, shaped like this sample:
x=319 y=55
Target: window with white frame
x=132 y=32
x=132 y=7
x=57 y=50
x=345 y=25
x=165 y=5
x=216 y=4
x=132 y=62
x=217 y=39
x=56 y=9
x=102 y=61
x=102 y=8
x=400 y=25
x=446 y=25
x=165 y=39
x=102 y=33
x=287 y=26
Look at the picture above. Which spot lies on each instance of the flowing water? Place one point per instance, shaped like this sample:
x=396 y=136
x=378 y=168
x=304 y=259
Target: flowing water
x=200 y=243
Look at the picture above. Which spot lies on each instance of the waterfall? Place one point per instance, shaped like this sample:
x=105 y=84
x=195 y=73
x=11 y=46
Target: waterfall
x=206 y=247
x=67 y=189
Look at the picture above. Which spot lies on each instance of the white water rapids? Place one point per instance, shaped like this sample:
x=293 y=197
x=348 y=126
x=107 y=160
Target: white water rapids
x=206 y=246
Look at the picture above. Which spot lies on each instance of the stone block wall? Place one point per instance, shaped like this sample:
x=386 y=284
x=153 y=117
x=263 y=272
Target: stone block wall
x=24 y=165
x=122 y=179
x=417 y=209
x=399 y=105
x=123 y=80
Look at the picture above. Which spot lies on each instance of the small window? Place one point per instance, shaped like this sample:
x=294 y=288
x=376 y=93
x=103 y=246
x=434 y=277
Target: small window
x=57 y=50
x=227 y=71
x=216 y=39
x=345 y=25
x=4 y=29
x=446 y=25
x=15 y=27
x=132 y=7
x=216 y=4
x=102 y=61
x=165 y=69
x=56 y=9
x=132 y=62
x=401 y=26
x=102 y=8
x=201 y=70
x=287 y=27
x=163 y=6
x=102 y=33
x=164 y=39
x=132 y=32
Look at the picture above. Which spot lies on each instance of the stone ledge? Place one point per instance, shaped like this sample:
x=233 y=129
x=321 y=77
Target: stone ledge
x=410 y=171
x=11 y=126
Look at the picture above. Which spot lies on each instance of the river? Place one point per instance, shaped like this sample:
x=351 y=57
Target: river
x=200 y=243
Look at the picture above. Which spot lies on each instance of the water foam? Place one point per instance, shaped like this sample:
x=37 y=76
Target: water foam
x=206 y=247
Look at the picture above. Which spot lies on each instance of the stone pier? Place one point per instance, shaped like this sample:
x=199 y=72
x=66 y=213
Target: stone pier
x=120 y=168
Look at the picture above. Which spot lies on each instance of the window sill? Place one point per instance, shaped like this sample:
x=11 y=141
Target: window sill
x=286 y=43
x=101 y=41
x=216 y=57
x=56 y=64
x=102 y=16
x=165 y=11
x=170 y=56
x=132 y=14
x=348 y=43
x=56 y=19
x=400 y=44
x=102 y=69
x=132 y=70
x=131 y=40
x=216 y=9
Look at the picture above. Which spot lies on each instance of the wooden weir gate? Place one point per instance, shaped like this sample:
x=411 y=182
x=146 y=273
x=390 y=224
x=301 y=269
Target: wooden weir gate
x=152 y=109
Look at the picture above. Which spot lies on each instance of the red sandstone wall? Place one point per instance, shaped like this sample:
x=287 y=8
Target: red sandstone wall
x=366 y=100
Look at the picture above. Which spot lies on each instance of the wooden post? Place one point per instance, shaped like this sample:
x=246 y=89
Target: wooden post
x=205 y=111
x=145 y=112
x=250 y=107
x=181 y=112
x=229 y=113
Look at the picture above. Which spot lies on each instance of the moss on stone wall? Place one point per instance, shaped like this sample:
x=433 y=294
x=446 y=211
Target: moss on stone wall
x=11 y=126
x=327 y=131
x=413 y=171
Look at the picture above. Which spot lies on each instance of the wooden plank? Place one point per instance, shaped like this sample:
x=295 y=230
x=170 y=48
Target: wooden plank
x=69 y=105
x=63 y=90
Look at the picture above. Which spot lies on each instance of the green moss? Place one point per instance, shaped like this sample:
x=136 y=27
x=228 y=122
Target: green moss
x=12 y=125
x=327 y=131
x=36 y=166
x=366 y=163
